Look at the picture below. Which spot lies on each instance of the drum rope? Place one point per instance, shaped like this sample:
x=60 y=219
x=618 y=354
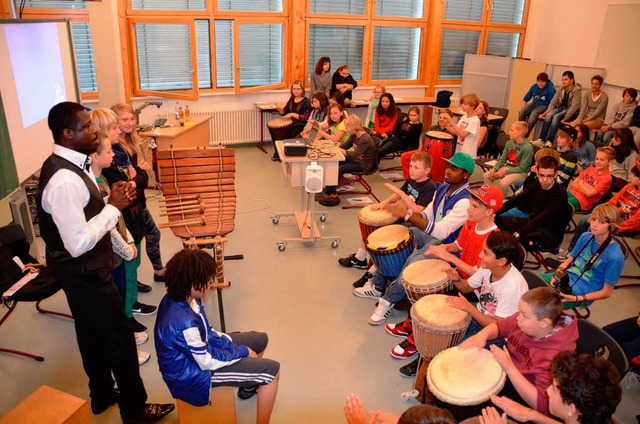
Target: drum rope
x=174 y=168
x=220 y=204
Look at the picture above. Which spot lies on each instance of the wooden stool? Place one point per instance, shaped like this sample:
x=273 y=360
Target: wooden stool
x=221 y=410
x=51 y=406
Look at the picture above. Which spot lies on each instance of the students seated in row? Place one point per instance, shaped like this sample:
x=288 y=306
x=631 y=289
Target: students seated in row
x=360 y=159
x=406 y=134
x=540 y=95
x=469 y=245
x=585 y=148
x=488 y=133
x=416 y=192
x=626 y=156
x=440 y=222
x=333 y=128
x=321 y=77
x=564 y=106
x=535 y=335
x=595 y=263
x=374 y=101
x=626 y=200
x=193 y=357
x=593 y=183
x=319 y=108
x=467 y=128
x=515 y=160
x=544 y=202
x=593 y=106
x=565 y=143
x=619 y=116
x=585 y=389
x=385 y=117
x=342 y=82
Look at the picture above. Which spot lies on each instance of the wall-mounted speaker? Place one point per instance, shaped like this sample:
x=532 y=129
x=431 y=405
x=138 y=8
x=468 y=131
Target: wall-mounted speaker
x=314 y=177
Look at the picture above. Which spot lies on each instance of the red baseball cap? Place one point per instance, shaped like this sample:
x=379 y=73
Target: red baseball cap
x=490 y=195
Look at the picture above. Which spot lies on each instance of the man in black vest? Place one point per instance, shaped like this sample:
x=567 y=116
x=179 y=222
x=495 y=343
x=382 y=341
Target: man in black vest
x=75 y=223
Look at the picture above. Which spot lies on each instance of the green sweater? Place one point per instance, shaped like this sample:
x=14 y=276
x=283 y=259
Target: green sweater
x=518 y=157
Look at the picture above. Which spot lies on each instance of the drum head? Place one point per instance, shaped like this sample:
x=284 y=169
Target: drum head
x=426 y=273
x=440 y=135
x=377 y=218
x=388 y=237
x=465 y=377
x=279 y=123
x=434 y=312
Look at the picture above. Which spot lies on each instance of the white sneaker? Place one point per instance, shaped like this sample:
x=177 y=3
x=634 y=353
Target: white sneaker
x=141 y=338
x=538 y=143
x=143 y=357
x=368 y=290
x=548 y=144
x=381 y=313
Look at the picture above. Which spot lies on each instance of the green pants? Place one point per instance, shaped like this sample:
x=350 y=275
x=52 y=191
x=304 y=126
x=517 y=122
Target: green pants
x=566 y=305
x=574 y=202
x=131 y=292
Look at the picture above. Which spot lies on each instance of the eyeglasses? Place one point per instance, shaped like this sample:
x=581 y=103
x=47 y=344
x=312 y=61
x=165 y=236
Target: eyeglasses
x=546 y=177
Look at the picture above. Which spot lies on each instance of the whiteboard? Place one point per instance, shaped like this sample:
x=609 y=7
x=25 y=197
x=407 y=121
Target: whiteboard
x=618 y=50
x=582 y=74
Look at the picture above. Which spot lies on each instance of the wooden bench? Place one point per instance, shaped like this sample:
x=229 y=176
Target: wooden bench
x=51 y=406
x=221 y=410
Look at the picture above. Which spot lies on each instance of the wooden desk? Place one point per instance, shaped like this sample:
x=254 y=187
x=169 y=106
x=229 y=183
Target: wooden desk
x=294 y=169
x=195 y=133
x=457 y=110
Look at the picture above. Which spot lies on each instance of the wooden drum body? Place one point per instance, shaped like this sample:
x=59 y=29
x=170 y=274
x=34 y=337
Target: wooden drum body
x=425 y=277
x=279 y=128
x=436 y=325
x=465 y=376
x=439 y=145
x=371 y=220
x=390 y=247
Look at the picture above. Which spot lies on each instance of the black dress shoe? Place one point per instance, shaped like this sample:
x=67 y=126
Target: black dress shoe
x=137 y=327
x=152 y=412
x=98 y=406
x=158 y=278
x=143 y=288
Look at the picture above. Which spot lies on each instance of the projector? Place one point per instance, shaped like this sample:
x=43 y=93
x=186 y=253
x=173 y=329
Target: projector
x=295 y=149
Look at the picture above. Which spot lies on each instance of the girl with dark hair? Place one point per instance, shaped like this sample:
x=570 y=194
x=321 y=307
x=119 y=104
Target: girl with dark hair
x=626 y=155
x=320 y=106
x=594 y=105
x=406 y=134
x=320 y=77
x=585 y=147
x=343 y=82
x=385 y=117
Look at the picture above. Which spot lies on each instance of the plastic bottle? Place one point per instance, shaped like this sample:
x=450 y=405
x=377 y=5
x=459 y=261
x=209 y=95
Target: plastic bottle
x=187 y=114
x=181 y=116
x=176 y=112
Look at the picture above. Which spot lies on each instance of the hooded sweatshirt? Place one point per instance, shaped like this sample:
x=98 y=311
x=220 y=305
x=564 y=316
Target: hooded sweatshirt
x=541 y=96
x=533 y=357
x=575 y=101
x=620 y=115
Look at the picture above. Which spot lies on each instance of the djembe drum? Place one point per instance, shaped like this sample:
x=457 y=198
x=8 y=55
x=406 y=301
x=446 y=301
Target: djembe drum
x=425 y=277
x=390 y=247
x=439 y=145
x=371 y=220
x=464 y=379
x=279 y=128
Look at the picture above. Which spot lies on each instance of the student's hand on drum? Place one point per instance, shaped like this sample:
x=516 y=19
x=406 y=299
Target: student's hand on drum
x=397 y=208
x=502 y=356
x=459 y=302
x=394 y=189
x=452 y=274
x=472 y=342
x=490 y=415
x=513 y=409
x=354 y=411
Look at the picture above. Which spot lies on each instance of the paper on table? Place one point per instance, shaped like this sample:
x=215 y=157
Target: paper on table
x=345 y=188
x=491 y=162
x=359 y=200
x=391 y=175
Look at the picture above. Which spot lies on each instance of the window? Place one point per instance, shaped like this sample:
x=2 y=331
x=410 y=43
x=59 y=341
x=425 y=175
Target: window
x=343 y=44
x=224 y=54
x=337 y=7
x=168 y=5
x=502 y=44
x=407 y=8
x=464 y=10
x=260 y=54
x=507 y=11
x=84 y=56
x=455 y=44
x=255 y=5
x=396 y=52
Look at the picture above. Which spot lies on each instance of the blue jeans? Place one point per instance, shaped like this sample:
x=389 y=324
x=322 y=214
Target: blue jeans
x=530 y=113
x=514 y=213
x=395 y=290
x=581 y=227
x=551 y=124
x=605 y=138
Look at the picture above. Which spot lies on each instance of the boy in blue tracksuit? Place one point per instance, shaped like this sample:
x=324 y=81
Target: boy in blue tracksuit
x=193 y=357
x=541 y=92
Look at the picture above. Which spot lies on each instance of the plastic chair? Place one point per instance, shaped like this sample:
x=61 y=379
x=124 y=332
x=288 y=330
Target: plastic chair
x=538 y=257
x=359 y=176
x=593 y=340
x=502 y=112
x=13 y=243
x=534 y=281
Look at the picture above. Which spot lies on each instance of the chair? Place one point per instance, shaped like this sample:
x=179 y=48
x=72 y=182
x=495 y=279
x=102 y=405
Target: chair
x=500 y=111
x=402 y=117
x=593 y=340
x=359 y=176
x=538 y=261
x=534 y=281
x=13 y=243
x=522 y=257
x=624 y=244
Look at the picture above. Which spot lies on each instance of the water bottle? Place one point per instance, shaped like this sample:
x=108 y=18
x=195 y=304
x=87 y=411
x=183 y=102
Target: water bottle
x=187 y=114
x=176 y=112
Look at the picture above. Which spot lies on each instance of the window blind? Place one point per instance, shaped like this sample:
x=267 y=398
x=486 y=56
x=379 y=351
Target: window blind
x=84 y=56
x=507 y=11
x=455 y=44
x=260 y=54
x=502 y=44
x=224 y=53
x=253 y=5
x=168 y=4
x=464 y=10
x=405 y=8
x=343 y=44
x=164 y=56
x=52 y=4
x=337 y=7
x=203 y=53
x=396 y=52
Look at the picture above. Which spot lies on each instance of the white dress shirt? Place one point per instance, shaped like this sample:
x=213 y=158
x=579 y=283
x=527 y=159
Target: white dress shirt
x=65 y=197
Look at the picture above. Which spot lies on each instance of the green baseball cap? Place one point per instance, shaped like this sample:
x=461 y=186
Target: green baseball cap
x=463 y=161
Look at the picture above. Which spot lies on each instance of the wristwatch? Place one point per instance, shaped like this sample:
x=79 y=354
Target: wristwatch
x=408 y=215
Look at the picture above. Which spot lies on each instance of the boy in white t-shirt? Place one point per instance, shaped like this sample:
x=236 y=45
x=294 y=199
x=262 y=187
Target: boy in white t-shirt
x=468 y=126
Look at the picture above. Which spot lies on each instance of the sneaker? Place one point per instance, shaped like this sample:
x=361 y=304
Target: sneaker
x=404 y=350
x=143 y=357
x=330 y=200
x=400 y=329
x=157 y=277
x=352 y=261
x=142 y=309
x=381 y=313
x=411 y=369
x=137 y=327
x=362 y=280
x=548 y=144
x=538 y=143
x=245 y=393
x=141 y=338
x=368 y=290
x=144 y=288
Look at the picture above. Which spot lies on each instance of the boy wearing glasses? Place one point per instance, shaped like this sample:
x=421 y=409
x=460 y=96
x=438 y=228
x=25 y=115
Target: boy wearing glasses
x=546 y=203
